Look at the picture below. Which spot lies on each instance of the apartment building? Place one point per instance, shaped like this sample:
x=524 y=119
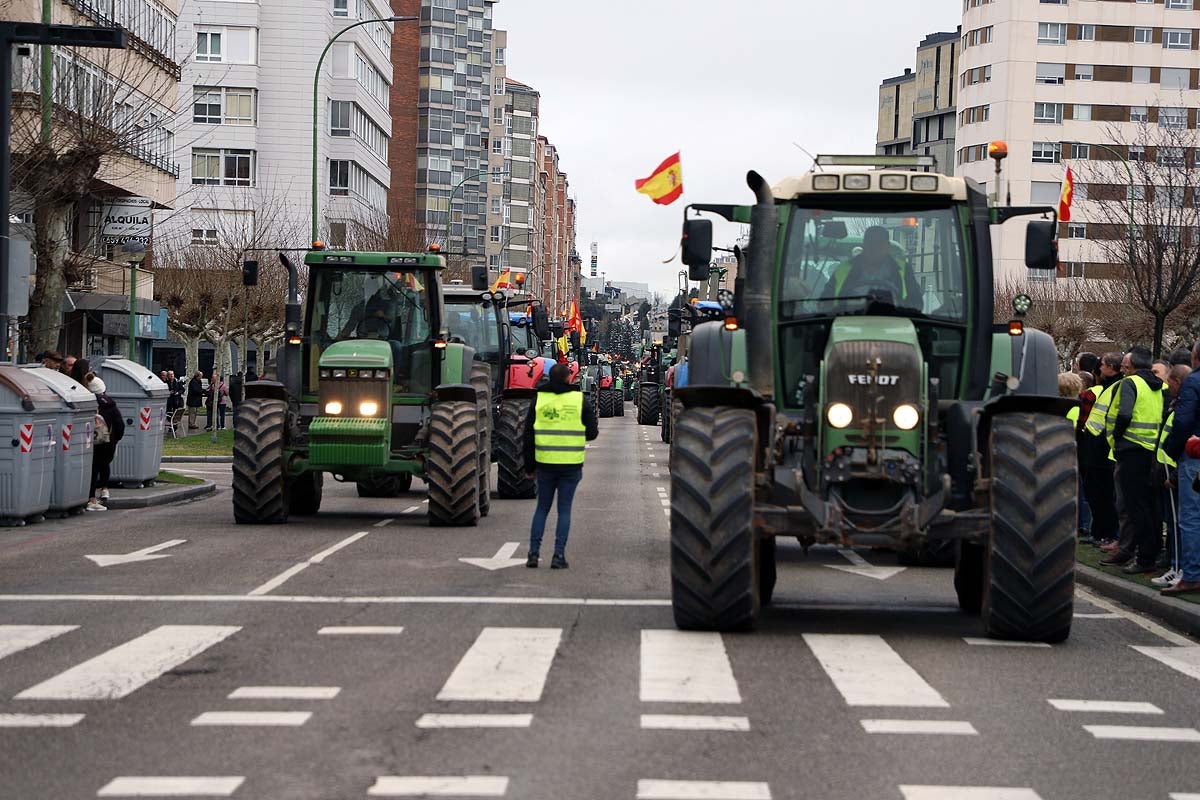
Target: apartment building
x=916 y=109
x=121 y=103
x=1056 y=80
x=514 y=196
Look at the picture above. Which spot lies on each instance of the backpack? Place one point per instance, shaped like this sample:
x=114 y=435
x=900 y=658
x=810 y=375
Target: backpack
x=103 y=435
x=111 y=423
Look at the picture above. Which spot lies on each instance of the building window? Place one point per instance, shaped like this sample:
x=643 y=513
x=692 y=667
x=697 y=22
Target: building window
x=341 y=8
x=1172 y=118
x=206 y=167
x=1087 y=33
x=240 y=107
x=1180 y=5
x=1171 y=157
x=1175 y=78
x=497 y=175
x=1051 y=74
x=498 y=86
x=1177 y=39
x=208 y=46
x=1076 y=269
x=1081 y=191
x=339 y=117
x=239 y=167
x=1045 y=192
x=206 y=106
x=494 y=234
x=1141 y=74
x=1048 y=113
x=339 y=178
x=1081 y=151
x=495 y=205
x=1081 y=112
x=204 y=236
x=1047 y=152
x=1137 y=152
x=1143 y=35
x=1083 y=72
x=1052 y=33
x=1139 y=114
x=1076 y=230
x=499 y=59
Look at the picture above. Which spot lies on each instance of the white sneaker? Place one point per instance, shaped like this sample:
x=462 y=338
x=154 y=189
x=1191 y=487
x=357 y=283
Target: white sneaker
x=1168 y=578
x=103 y=494
x=95 y=506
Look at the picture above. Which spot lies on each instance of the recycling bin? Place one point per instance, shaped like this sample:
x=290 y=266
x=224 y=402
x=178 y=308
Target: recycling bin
x=142 y=399
x=29 y=410
x=73 y=453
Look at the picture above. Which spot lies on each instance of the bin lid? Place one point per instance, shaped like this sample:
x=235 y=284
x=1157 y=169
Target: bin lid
x=34 y=394
x=142 y=377
x=73 y=393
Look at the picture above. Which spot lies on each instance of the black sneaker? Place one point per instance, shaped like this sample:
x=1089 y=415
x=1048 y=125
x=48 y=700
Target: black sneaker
x=532 y=561
x=558 y=562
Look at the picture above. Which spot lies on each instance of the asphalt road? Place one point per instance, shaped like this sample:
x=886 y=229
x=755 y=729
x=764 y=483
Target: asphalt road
x=355 y=654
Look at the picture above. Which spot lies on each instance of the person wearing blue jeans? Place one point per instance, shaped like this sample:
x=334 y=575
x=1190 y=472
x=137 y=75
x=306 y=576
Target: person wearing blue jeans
x=1180 y=447
x=561 y=421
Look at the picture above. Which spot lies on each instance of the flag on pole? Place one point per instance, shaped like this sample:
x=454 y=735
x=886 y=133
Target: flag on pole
x=1068 y=194
x=575 y=323
x=504 y=281
x=665 y=184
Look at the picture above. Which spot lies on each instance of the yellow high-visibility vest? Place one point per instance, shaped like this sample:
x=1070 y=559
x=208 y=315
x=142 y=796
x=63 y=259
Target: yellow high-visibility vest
x=843 y=271
x=559 y=435
x=1147 y=414
x=1095 y=421
x=1163 y=458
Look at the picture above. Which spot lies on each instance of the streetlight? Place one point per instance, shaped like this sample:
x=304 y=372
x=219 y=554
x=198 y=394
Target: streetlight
x=135 y=253
x=1129 y=170
x=317 y=108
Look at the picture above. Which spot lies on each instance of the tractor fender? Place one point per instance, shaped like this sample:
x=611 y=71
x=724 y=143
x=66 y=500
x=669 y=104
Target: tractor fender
x=694 y=396
x=463 y=392
x=518 y=393
x=1035 y=362
x=270 y=390
x=714 y=355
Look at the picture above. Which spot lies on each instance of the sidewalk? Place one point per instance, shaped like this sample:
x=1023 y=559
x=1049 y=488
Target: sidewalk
x=1137 y=593
x=160 y=494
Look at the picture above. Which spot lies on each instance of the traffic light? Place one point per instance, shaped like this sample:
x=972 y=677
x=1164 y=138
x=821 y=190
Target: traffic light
x=249 y=273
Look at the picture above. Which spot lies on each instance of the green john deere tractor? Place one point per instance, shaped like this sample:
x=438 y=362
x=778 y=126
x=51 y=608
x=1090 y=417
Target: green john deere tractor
x=867 y=399
x=369 y=391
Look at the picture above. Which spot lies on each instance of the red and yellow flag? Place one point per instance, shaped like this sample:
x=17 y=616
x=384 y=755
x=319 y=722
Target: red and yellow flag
x=1068 y=194
x=665 y=184
x=575 y=323
x=504 y=281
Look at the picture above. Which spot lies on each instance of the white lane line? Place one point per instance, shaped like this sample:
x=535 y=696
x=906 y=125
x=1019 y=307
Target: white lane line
x=868 y=672
x=15 y=638
x=280 y=579
x=1184 y=796
x=922 y=726
x=1182 y=659
x=289 y=719
x=982 y=642
x=285 y=693
x=504 y=665
x=1102 y=615
x=400 y=600
x=360 y=630
x=1106 y=706
x=383 y=523
x=665 y=501
x=686 y=667
x=667 y=511
x=411 y=509
x=652 y=464
x=171 y=786
x=127 y=667
x=39 y=720
x=693 y=722
x=655 y=474
x=1138 y=733
x=1136 y=619
x=475 y=721
x=327 y=552
x=702 y=790
x=967 y=793
x=414 y=786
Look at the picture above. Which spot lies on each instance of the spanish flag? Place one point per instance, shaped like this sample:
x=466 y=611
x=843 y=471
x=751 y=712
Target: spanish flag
x=665 y=184
x=1068 y=194
x=575 y=323
x=504 y=281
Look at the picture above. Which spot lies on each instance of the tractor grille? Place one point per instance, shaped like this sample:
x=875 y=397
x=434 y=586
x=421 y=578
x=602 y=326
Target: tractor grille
x=849 y=376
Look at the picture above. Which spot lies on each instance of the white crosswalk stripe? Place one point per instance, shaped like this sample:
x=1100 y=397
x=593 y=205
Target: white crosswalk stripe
x=967 y=793
x=868 y=672
x=445 y=786
x=39 y=720
x=686 y=667
x=15 y=638
x=702 y=790
x=171 y=786
x=504 y=665
x=126 y=668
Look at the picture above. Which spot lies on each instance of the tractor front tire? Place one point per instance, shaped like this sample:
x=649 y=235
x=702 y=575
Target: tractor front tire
x=647 y=406
x=606 y=403
x=714 y=580
x=1029 y=573
x=259 y=488
x=510 y=452
x=664 y=432
x=304 y=494
x=452 y=468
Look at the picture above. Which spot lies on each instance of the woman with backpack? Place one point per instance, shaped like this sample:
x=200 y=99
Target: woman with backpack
x=109 y=428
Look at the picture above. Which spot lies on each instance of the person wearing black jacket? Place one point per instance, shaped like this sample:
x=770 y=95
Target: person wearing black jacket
x=1097 y=470
x=195 y=398
x=107 y=436
x=561 y=419
x=1186 y=426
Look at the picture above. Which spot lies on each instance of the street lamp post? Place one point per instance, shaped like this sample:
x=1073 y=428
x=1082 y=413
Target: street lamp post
x=1129 y=170
x=454 y=191
x=317 y=108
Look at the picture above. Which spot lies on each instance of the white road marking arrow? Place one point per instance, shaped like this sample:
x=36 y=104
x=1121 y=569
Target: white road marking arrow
x=503 y=558
x=861 y=567
x=145 y=554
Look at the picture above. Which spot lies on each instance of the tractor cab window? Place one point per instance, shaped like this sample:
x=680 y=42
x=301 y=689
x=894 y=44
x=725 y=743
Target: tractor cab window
x=839 y=262
x=477 y=326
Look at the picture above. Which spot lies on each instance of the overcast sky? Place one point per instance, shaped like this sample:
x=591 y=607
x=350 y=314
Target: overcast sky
x=626 y=83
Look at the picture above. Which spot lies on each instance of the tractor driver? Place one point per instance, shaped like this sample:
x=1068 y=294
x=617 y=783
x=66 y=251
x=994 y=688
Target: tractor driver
x=370 y=318
x=875 y=269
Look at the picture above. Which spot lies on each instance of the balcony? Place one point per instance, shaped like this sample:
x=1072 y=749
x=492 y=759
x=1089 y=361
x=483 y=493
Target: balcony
x=107 y=278
x=101 y=12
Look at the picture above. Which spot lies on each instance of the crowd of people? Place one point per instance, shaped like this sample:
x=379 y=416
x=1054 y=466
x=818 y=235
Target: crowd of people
x=1138 y=431
x=219 y=397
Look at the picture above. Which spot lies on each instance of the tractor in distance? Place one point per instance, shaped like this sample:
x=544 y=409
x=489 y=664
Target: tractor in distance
x=369 y=390
x=651 y=374
x=860 y=395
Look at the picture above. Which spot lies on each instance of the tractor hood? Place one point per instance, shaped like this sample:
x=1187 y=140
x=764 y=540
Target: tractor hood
x=358 y=353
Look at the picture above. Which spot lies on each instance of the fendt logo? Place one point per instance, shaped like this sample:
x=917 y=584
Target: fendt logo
x=879 y=380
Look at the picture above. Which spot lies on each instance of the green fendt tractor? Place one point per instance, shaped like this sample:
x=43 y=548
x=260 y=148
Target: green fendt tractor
x=867 y=400
x=369 y=391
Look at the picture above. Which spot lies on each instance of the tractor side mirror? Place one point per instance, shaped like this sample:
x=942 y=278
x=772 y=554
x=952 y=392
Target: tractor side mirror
x=541 y=324
x=697 y=247
x=1041 y=245
x=479 y=279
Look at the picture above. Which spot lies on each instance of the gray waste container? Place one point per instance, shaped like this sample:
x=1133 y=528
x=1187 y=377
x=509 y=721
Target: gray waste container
x=28 y=413
x=73 y=453
x=142 y=399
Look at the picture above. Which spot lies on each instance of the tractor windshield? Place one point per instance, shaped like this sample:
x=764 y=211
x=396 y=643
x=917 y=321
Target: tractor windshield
x=854 y=262
x=476 y=323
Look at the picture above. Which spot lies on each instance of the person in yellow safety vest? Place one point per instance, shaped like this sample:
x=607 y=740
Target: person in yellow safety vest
x=875 y=269
x=561 y=421
x=1132 y=426
x=1098 y=485
x=1168 y=480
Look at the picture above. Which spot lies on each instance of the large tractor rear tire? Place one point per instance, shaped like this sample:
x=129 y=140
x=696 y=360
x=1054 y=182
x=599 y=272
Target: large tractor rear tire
x=510 y=452
x=304 y=494
x=714 y=571
x=664 y=432
x=481 y=379
x=618 y=402
x=647 y=404
x=452 y=468
x=1029 y=572
x=259 y=490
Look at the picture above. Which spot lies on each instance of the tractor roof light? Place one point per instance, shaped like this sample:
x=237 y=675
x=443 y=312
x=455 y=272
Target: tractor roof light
x=440 y=344
x=1016 y=328
x=731 y=323
x=826 y=182
x=1022 y=303
x=924 y=183
x=998 y=150
x=893 y=183
x=318 y=245
x=856 y=182
x=435 y=248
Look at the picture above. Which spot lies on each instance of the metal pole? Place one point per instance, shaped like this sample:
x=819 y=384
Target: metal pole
x=1129 y=171
x=5 y=183
x=47 y=76
x=133 y=311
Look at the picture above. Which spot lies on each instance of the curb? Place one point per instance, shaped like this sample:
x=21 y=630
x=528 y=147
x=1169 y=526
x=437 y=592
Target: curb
x=197 y=459
x=1179 y=613
x=173 y=495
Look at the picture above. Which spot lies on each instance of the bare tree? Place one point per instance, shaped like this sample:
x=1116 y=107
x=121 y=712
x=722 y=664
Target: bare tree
x=1075 y=312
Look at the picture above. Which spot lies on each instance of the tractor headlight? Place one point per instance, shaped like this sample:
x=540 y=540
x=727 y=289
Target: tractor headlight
x=368 y=408
x=333 y=408
x=839 y=415
x=906 y=417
